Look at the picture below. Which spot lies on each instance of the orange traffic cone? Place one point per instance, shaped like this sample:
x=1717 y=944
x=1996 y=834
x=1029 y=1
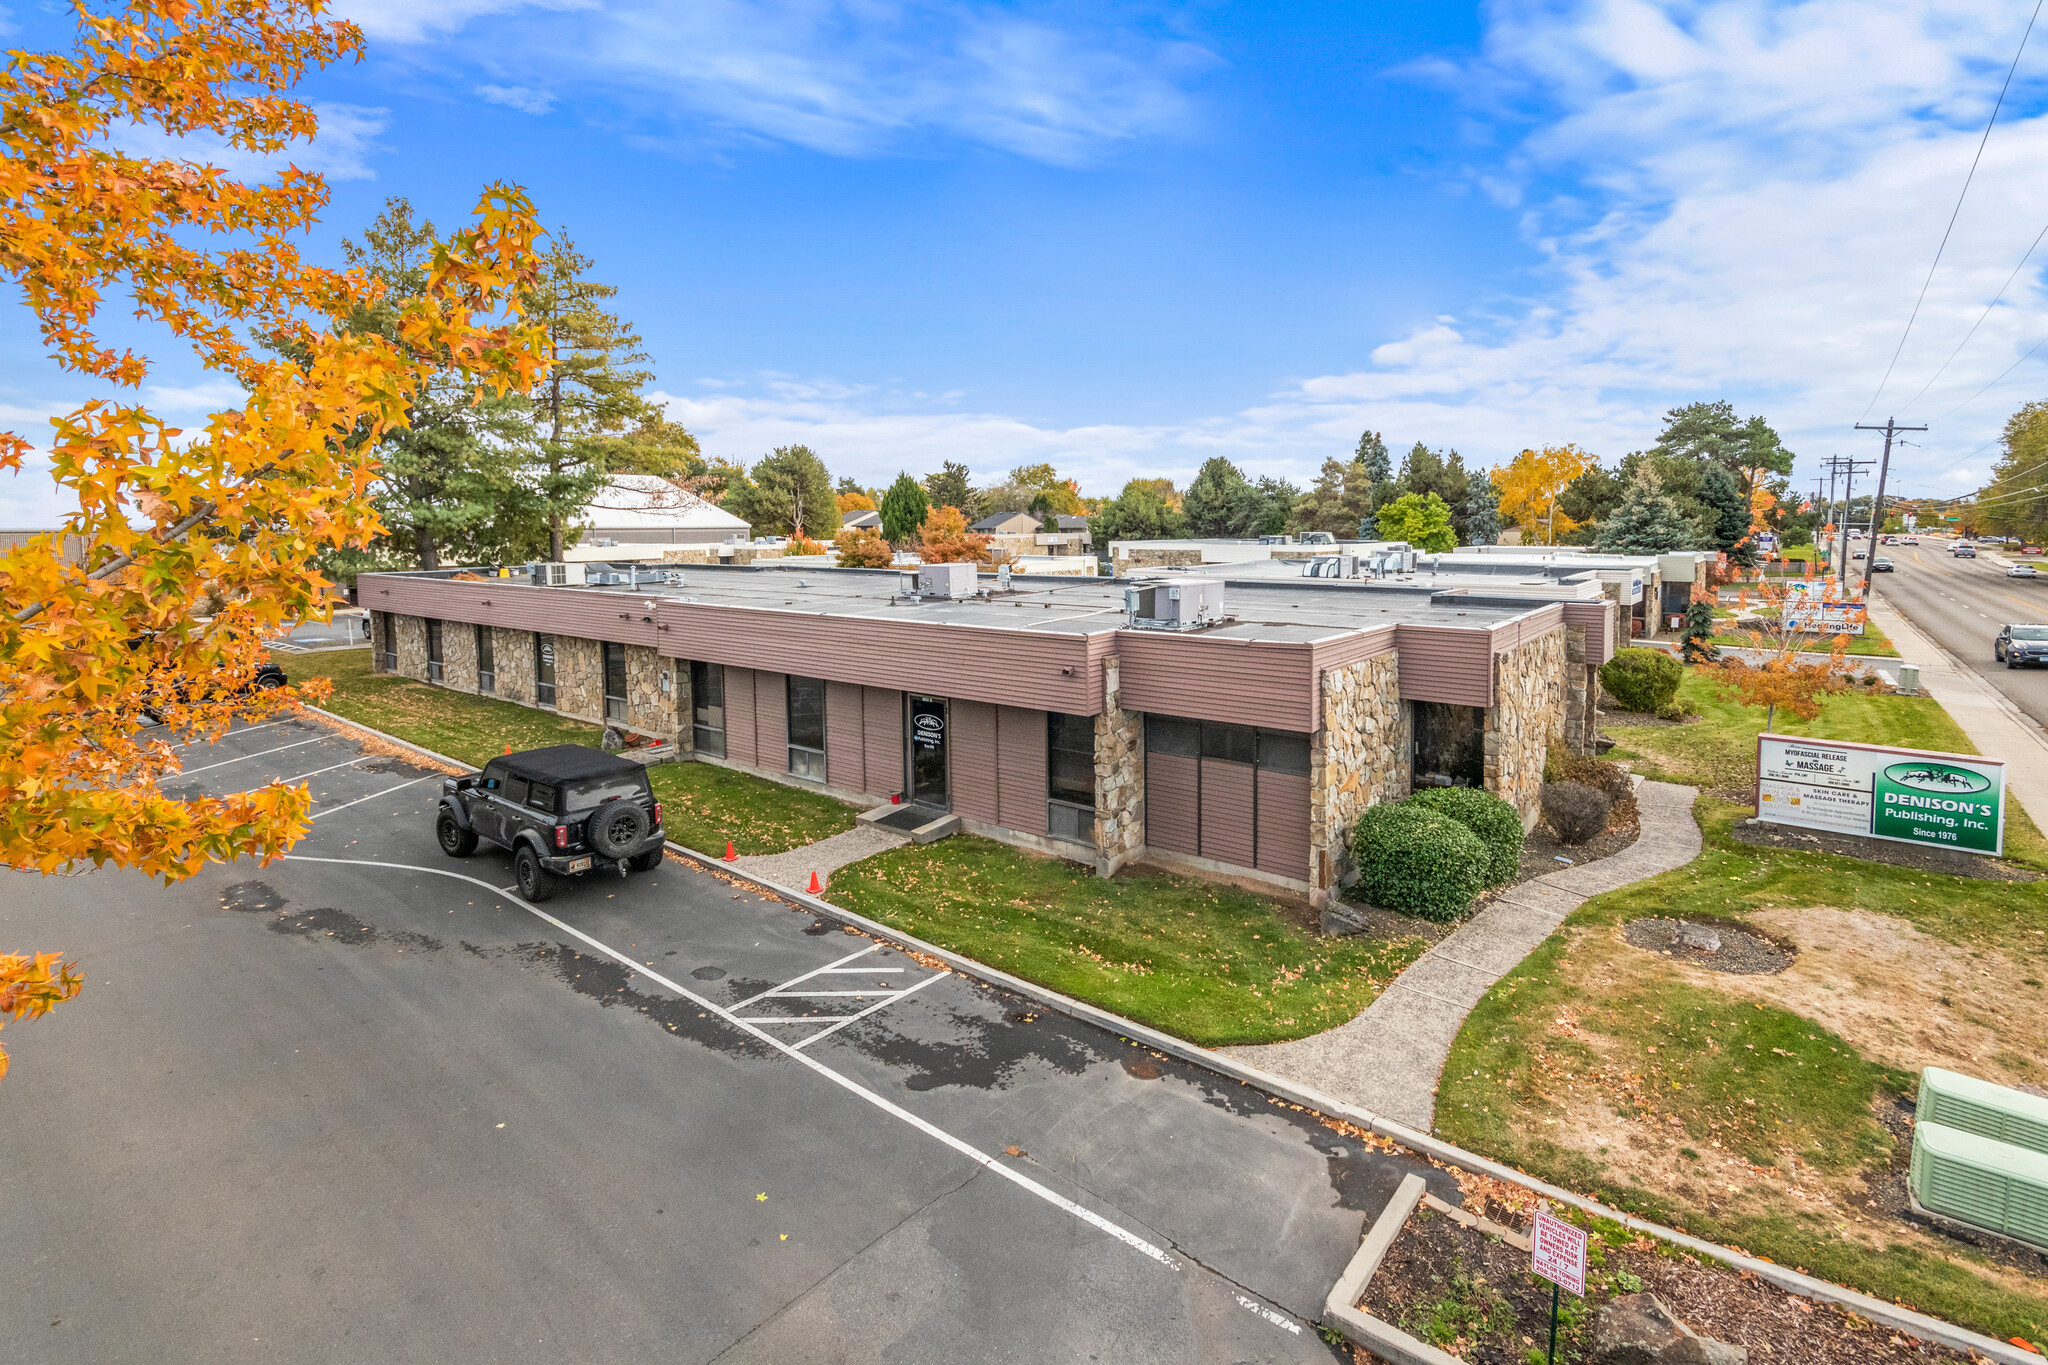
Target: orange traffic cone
x=814 y=887
x=508 y=748
x=730 y=856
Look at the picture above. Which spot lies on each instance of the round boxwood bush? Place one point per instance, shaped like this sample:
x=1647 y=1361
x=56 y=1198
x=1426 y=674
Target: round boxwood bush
x=1575 y=811
x=1642 y=679
x=1498 y=825
x=1418 y=862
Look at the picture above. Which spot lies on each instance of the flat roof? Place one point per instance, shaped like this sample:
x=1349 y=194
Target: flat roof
x=1282 y=610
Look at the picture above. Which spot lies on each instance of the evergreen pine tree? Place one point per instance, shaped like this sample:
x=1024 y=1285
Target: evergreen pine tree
x=1372 y=453
x=1220 y=502
x=904 y=508
x=949 y=488
x=1480 y=514
x=1647 y=521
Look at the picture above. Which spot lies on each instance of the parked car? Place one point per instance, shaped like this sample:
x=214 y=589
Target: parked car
x=2021 y=571
x=268 y=676
x=1964 y=550
x=2030 y=549
x=1881 y=565
x=560 y=811
x=2020 y=644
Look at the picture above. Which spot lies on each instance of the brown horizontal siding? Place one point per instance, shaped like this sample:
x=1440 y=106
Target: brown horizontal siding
x=1238 y=682
x=1597 y=618
x=1441 y=664
x=845 y=749
x=881 y=719
x=971 y=750
x=1173 y=803
x=976 y=663
x=1021 y=760
x=1283 y=824
x=1511 y=634
x=771 y=721
x=741 y=732
x=590 y=615
x=1228 y=835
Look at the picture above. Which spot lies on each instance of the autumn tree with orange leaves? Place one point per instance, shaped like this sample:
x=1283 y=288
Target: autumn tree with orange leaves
x=1782 y=668
x=90 y=648
x=945 y=539
x=1530 y=486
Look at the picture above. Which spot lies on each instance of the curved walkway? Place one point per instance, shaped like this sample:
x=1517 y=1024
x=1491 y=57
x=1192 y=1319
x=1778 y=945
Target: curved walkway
x=1390 y=1057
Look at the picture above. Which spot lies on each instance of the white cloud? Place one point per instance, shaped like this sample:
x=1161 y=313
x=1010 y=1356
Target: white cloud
x=340 y=151
x=413 y=21
x=517 y=97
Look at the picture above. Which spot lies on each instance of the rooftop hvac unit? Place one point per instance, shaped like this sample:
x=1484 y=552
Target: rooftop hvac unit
x=1331 y=566
x=551 y=575
x=1185 y=604
x=945 y=580
x=1977 y=1180
x=1954 y=1100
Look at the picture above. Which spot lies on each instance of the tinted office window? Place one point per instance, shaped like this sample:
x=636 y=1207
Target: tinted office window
x=1175 y=738
x=486 y=661
x=807 y=728
x=433 y=651
x=544 y=670
x=614 y=682
x=1280 y=752
x=1231 y=743
x=1070 y=758
x=390 y=643
x=707 y=699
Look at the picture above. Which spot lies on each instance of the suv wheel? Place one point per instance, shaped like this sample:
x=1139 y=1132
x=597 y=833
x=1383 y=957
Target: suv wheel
x=617 y=827
x=645 y=862
x=536 y=883
x=456 y=841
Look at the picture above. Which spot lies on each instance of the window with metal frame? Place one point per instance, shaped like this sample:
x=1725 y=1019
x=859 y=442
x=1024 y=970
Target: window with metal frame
x=435 y=665
x=390 y=643
x=544 y=670
x=807 y=728
x=614 y=682
x=1070 y=776
x=707 y=705
x=486 y=662
x=1264 y=751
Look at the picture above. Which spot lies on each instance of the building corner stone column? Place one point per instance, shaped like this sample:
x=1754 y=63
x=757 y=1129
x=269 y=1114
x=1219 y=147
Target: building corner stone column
x=1119 y=779
x=1358 y=756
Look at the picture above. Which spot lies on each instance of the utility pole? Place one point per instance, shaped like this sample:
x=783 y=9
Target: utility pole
x=1847 y=466
x=1890 y=429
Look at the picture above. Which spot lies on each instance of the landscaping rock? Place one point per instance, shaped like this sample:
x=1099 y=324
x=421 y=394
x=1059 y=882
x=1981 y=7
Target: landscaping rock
x=612 y=741
x=1699 y=937
x=1637 y=1329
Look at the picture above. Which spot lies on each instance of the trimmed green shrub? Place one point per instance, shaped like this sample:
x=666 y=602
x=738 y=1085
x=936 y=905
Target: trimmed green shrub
x=1642 y=679
x=1498 y=825
x=1575 y=811
x=1418 y=862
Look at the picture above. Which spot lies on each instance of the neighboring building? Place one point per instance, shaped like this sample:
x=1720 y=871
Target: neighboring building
x=642 y=509
x=1016 y=534
x=869 y=520
x=1057 y=715
x=73 y=551
x=1132 y=556
x=1654 y=587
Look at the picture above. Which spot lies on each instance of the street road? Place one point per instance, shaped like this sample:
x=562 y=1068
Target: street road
x=1961 y=603
x=363 y=1105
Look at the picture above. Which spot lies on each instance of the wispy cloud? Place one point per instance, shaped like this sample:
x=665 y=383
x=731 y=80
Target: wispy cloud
x=342 y=150
x=1054 y=82
x=517 y=97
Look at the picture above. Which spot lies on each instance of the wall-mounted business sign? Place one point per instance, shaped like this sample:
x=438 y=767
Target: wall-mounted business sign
x=1908 y=796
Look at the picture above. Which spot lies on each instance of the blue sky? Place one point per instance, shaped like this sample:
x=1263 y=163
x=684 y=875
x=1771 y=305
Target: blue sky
x=1124 y=237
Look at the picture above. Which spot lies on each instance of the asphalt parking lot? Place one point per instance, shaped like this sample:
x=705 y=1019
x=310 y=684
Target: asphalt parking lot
x=363 y=1104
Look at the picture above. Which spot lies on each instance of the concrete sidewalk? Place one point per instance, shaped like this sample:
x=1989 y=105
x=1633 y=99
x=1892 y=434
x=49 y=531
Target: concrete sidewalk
x=1389 y=1058
x=825 y=857
x=1998 y=728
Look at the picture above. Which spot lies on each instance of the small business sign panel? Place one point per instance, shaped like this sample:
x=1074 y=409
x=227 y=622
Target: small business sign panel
x=1557 y=1252
x=1909 y=796
x=1808 y=609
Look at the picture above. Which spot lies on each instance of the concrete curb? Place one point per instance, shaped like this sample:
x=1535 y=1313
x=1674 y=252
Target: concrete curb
x=1876 y=1310
x=383 y=738
x=1386 y=1341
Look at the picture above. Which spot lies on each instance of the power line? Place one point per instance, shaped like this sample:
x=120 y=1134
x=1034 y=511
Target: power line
x=1994 y=383
x=1956 y=211
x=1980 y=322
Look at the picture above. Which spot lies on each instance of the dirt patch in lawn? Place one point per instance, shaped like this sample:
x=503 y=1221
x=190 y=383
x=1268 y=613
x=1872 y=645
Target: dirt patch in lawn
x=1472 y=1294
x=1928 y=859
x=1714 y=945
x=1904 y=998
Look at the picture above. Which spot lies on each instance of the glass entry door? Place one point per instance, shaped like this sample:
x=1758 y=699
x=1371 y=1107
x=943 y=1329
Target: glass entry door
x=928 y=752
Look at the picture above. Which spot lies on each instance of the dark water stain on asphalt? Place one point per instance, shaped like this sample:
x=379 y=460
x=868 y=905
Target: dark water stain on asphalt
x=384 y=763
x=252 y=898
x=708 y=973
x=342 y=927
x=610 y=983
x=978 y=1051
x=822 y=926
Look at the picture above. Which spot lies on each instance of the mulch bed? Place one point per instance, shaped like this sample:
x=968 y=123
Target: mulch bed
x=1923 y=857
x=1542 y=849
x=1502 y=1312
x=1610 y=720
x=1743 y=951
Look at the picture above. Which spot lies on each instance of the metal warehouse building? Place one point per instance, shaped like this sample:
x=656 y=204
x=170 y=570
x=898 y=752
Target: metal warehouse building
x=1230 y=727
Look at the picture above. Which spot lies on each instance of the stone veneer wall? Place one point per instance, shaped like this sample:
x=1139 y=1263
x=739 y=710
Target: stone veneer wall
x=1128 y=560
x=1529 y=683
x=579 y=678
x=686 y=707
x=1581 y=680
x=377 y=641
x=1119 y=779
x=1358 y=756
x=512 y=661
x=458 y=655
x=708 y=554
x=650 y=708
x=412 y=646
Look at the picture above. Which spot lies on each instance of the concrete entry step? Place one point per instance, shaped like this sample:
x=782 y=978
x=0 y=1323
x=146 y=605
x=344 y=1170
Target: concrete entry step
x=924 y=824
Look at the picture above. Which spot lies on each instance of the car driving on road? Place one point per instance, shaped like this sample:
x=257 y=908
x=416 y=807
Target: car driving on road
x=2018 y=644
x=1881 y=564
x=2021 y=571
x=561 y=811
x=1964 y=550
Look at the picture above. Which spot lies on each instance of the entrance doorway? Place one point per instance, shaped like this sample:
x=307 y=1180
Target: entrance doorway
x=928 y=752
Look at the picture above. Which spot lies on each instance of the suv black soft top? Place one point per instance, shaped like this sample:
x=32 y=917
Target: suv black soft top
x=563 y=763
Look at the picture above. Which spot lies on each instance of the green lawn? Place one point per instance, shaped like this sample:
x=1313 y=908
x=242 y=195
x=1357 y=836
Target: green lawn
x=702 y=805
x=1872 y=643
x=1600 y=1066
x=1208 y=963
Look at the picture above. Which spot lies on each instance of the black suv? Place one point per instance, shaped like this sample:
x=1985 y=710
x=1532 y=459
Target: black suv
x=561 y=810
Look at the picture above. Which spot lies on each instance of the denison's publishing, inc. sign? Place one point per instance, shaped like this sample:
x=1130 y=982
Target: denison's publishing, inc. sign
x=1909 y=796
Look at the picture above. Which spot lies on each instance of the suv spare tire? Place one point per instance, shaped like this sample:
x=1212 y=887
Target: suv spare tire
x=617 y=828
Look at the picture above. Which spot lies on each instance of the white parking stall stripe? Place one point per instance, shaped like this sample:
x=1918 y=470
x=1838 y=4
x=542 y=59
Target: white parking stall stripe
x=738 y=1004
x=853 y=971
x=879 y=1004
x=847 y=1083
x=374 y=795
x=858 y=995
x=295 y=744
x=328 y=769
x=230 y=734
